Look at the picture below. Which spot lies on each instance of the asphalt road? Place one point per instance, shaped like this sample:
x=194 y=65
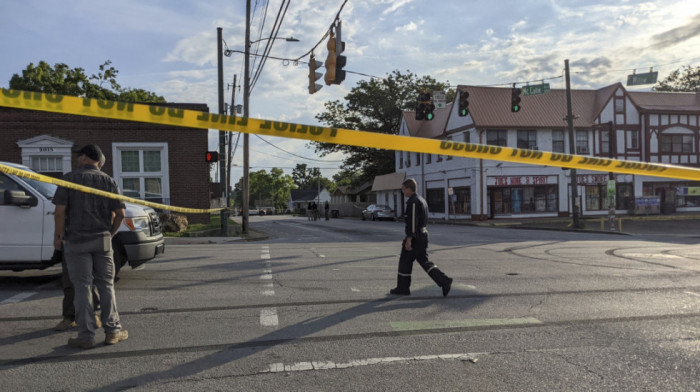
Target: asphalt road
x=308 y=310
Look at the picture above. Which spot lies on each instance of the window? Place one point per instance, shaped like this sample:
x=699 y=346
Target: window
x=497 y=137
x=466 y=137
x=527 y=139
x=418 y=158
x=47 y=164
x=462 y=200
x=605 y=142
x=141 y=170
x=428 y=159
x=558 y=141
x=581 y=142
x=619 y=105
x=436 y=199
x=633 y=140
x=676 y=144
x=449 y=157
x=7 y=184
x=400 y=159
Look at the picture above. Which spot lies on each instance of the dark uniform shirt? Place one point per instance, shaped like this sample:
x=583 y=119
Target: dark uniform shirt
x=88 y=216
x=416 y=216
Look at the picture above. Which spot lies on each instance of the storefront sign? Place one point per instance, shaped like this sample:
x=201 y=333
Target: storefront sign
x=600 y=179
x=688 y=191
x=521 y=180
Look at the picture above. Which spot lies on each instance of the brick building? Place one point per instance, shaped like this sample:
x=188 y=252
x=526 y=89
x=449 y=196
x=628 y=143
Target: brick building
x=158 y=163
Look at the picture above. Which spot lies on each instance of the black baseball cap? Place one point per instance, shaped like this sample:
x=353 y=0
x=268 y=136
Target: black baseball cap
x=91 y=151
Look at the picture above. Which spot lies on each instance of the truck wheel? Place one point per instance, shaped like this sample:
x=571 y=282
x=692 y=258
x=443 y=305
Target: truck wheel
x=119 y=258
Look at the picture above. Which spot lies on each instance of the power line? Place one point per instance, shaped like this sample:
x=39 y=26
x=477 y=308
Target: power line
x=273 y=36
x=337 y=16
x=298 y=156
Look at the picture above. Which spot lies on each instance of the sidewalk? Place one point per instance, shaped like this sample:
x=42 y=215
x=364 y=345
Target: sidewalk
x=676 y=224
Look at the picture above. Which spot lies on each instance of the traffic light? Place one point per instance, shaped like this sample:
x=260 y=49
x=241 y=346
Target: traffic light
x=314 y=75
x=425 y=107
x=212 y=156
x=334 y=61
x=463 y=103
x=515 y=99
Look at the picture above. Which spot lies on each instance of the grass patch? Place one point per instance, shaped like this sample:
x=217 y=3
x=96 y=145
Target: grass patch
x=214 y=224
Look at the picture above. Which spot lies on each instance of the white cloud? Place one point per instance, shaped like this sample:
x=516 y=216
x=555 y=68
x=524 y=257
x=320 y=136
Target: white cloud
x=407 y=27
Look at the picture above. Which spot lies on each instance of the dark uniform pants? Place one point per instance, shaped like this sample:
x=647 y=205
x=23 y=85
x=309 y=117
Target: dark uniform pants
x=418 y=252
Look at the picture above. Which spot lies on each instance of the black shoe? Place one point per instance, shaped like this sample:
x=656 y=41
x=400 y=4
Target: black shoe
x=446 y=287
x=396 y=291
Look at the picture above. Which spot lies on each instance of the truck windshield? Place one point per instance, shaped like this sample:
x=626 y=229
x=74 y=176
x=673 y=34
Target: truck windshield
x=46 y=189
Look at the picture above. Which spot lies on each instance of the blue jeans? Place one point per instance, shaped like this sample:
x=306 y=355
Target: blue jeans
x=91 y=263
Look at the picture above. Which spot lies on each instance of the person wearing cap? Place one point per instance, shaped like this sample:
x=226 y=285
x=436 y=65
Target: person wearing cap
x=84 y=226
x=415 y=245
x=69 y=292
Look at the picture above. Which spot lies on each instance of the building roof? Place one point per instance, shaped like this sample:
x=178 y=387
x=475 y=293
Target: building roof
x=298 y=195
x=489 y=107
x=388 y=182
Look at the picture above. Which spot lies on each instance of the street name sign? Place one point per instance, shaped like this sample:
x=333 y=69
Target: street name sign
x=645 y=78
x=536 y=89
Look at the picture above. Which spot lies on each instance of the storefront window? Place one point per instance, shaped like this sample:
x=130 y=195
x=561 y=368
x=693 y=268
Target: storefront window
x=525 y=200
x=463 y=200
x=436 y=200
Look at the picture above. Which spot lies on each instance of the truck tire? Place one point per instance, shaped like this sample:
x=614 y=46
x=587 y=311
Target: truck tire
x=119 y=255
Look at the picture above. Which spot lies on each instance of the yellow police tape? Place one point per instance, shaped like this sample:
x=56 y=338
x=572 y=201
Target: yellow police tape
x=194 y=119
x=70 y=185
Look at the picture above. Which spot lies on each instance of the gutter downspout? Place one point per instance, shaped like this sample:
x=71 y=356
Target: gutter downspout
x=481 y=179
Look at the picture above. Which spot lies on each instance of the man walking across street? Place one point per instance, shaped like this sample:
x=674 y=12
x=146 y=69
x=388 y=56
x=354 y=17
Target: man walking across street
x=415 y=245
x=84 y=226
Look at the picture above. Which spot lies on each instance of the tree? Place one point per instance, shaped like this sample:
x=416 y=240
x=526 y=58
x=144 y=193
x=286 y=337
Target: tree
x=376 y=105
x=308 y=178
x=688 y=80
x=61 y=79
x=274 y=186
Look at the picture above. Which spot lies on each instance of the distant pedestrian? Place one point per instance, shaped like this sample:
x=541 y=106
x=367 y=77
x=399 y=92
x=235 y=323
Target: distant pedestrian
x=309 y=211
x=327 y=208
x=84 y=226
x=415 y=245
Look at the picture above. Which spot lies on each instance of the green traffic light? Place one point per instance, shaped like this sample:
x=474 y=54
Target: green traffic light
x=516 y=108
x=463 y=112
x=429 y=116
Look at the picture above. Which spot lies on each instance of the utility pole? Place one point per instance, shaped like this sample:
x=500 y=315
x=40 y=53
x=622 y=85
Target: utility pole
x=572 y=145
x=230 y=142
x=222 y=135
x=246 y=114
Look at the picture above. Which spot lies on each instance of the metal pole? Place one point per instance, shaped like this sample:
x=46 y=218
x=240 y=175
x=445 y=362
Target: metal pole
x=230 y=142
x=222 y=134
x=572 y=144
x=246 y=113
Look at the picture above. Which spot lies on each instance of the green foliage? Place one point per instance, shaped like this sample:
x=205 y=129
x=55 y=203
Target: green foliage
x=274 y=186
x=61 y=79
x=308 y=178
x=688 y=80
x=374 y=105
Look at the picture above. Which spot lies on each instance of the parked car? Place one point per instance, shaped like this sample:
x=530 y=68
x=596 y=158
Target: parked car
x=378 y=211
x=27 y=227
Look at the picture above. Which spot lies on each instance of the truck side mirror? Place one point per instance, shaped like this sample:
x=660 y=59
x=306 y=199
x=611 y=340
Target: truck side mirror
x=19 y=198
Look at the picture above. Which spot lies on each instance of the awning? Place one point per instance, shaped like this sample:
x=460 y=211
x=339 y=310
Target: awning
x=388 y=182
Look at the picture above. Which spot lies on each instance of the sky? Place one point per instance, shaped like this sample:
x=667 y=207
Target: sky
x=170 y=47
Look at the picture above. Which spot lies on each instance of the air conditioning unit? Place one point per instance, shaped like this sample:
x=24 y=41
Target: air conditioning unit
x=582 y=150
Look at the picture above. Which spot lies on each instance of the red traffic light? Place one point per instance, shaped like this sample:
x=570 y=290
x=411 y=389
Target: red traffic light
x=212 y=156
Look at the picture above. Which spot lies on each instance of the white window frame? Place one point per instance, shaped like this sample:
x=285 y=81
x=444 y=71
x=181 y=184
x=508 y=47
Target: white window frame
x=164 y=173
x=47 y=146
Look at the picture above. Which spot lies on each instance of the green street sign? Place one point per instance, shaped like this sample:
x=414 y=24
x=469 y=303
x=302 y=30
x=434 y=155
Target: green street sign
x=645 y=78
x=536 y=89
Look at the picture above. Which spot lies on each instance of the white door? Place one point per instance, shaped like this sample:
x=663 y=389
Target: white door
x=22 y=229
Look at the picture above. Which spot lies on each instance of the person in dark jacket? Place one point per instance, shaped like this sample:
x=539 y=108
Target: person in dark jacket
x=415 y=245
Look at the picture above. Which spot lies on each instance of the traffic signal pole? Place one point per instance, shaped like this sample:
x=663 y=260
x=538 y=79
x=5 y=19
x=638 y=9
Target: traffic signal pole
x=572 y=145
x=222 y=135
x=246 y=113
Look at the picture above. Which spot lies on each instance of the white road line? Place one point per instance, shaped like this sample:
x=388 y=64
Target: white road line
x=267 y=275
x=18 y=298
x=268 y=317
x=692 y=293
x=354 y=289
x=328 y=365
x=265 y=256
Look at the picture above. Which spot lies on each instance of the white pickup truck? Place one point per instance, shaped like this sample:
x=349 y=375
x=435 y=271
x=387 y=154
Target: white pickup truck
x=27 y=227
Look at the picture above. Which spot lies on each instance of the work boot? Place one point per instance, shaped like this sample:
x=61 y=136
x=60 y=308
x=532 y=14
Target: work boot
x=446 y=287
x=402 y=286
x=65 y=324
x=116 y=337
x=98 y=322
x=79 y=343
